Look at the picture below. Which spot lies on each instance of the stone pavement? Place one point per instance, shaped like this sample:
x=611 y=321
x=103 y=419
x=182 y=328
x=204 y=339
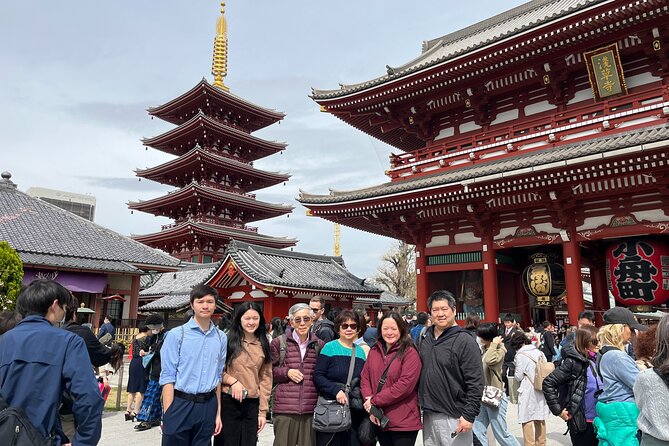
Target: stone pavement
x=116 y=431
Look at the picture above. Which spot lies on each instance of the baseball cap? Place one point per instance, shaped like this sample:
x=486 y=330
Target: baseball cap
x=621 y=315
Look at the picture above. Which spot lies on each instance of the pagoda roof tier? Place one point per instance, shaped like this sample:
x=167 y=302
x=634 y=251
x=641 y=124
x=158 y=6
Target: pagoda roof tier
x=193 y=232
x=210 y=99
x=432 y=196
x=201 y=164
x=398 y=107
x=195 y=196
x=208 y=132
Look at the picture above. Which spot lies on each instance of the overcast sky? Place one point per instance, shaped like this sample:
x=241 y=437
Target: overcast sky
x=77 y=76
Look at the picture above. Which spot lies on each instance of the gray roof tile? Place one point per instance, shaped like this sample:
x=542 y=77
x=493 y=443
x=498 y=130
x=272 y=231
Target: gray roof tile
x=387 y=298
x=181 y=281
x=296 y=270
x=30 y=258
x=34 y=226
x=513 y=21
x=481 y=169
x=167 y=303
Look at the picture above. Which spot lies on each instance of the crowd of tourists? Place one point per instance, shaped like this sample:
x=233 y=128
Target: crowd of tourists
x=336 y=380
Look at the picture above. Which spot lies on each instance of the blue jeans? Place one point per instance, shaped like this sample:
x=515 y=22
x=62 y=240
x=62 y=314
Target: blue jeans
x=496 y=418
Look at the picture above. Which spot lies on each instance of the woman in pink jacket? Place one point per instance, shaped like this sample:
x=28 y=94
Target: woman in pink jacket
x=398 y=396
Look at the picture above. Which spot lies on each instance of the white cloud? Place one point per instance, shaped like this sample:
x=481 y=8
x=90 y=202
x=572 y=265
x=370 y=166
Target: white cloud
x=77 y=78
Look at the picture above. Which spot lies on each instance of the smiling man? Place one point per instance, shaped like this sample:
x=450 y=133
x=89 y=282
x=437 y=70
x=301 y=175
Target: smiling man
x=451 y=380
x=192 y=360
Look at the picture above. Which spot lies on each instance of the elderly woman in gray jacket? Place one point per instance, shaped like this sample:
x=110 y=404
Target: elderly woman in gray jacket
x=294 y=355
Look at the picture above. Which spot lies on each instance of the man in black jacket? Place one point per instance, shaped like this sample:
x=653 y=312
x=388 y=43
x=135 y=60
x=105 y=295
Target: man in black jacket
x=548 y=341
x=99 y=354
x=451 y=380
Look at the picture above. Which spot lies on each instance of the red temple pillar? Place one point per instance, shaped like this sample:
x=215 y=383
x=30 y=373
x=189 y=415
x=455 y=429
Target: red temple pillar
x=490 y=296
x=523 y=302
x=134 y=298
x=600 y=293
x=422 y=287
x=571 y=253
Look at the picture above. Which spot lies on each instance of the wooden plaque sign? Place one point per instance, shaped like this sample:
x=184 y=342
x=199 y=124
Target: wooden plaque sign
x=605 y=72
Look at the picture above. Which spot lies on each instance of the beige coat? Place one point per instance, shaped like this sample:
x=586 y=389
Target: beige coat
x=493 y=357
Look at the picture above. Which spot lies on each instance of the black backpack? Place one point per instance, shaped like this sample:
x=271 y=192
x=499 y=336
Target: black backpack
x=17 y=430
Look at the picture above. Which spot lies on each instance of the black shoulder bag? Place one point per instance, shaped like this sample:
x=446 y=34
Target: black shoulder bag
x=367 y=429
x=329 y=415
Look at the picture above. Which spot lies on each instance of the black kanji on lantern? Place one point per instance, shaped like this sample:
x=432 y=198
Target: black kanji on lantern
x=634 y=274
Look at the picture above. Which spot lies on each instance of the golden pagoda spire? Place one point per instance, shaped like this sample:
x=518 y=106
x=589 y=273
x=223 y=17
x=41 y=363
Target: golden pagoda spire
x=337 y=240
x=219 y=66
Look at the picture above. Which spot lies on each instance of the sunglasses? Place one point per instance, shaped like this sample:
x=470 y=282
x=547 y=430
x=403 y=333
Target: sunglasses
x=594 y=341
x=301 y=320
x=315 y=310
x=347 y=326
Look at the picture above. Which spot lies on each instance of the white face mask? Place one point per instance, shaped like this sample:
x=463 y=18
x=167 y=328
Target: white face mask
x=155 y=331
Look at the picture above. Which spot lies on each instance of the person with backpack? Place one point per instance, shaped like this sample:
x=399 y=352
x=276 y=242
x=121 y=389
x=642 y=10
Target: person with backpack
x=192 y=360
x=617 y=412
x=570 y=390
x=39 y=361
x=652 y=392
x=294 y=356
x=493 y=357
x=532 y=408
x=152 y=410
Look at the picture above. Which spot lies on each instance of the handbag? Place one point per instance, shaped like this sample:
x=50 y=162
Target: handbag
x=146 y=359
x=492 y=396
x=329 y=415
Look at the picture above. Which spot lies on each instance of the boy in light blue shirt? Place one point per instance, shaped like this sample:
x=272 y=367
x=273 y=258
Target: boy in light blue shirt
x=192 y=360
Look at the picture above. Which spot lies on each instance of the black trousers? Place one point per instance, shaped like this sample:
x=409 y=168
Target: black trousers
x=240 y=422
x=396 y=438
x=186 y=422
x=585 y=438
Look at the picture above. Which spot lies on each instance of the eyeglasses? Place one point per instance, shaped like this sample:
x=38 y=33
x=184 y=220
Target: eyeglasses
x=594 y=341
x=347 y=326
x=302 y=320
x=315 y=310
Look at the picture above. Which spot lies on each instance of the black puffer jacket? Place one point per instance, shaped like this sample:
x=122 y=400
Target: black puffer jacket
x=565 y=388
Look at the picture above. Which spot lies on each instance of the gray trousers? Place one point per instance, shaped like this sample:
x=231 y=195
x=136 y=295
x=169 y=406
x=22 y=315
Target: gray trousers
x=437 y=430
x=293 y=430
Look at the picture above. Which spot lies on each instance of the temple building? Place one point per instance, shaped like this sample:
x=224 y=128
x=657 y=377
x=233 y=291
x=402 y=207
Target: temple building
x=213 y=169
x=531 y=147
x=101 y=268
x=275 y=279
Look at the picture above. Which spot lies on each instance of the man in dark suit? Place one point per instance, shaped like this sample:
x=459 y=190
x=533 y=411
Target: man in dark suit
x=506 y=332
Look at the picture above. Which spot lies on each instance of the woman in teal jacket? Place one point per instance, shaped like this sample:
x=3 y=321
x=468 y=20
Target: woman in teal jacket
x=616 y=410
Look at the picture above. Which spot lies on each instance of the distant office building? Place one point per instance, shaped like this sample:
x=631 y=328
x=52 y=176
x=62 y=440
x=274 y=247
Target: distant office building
x=78 y=204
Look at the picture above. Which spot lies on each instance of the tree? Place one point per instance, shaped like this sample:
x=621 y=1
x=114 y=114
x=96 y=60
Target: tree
x=397 y=273
x=11 y=276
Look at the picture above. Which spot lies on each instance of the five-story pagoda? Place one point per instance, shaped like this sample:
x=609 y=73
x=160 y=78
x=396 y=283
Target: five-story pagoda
x=213 y=170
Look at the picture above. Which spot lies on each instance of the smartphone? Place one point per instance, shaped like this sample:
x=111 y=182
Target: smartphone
x=378 y=413
x=245 y=392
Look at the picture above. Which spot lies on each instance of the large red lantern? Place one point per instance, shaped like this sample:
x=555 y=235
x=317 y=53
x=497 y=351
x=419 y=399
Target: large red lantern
x=637 y=271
